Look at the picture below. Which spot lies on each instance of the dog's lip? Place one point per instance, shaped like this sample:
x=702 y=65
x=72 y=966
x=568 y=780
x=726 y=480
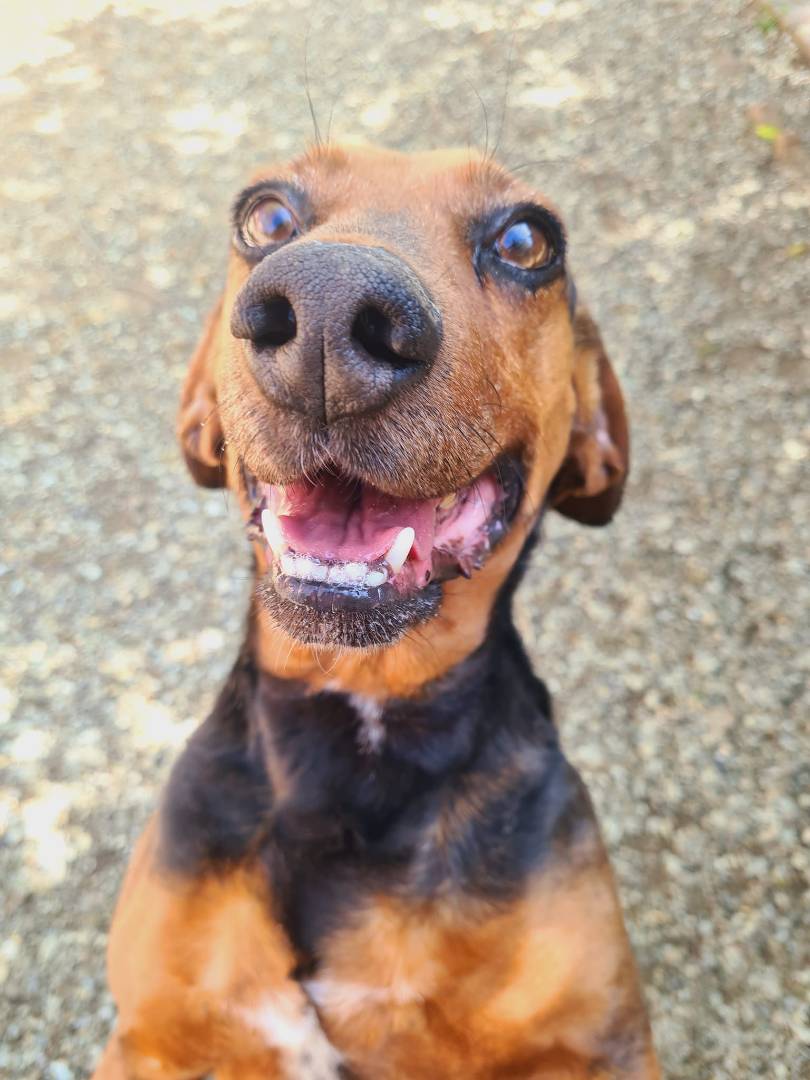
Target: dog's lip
x=338 y=536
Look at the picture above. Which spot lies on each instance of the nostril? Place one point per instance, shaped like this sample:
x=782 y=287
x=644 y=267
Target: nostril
x=374 y=331
x=271 y=323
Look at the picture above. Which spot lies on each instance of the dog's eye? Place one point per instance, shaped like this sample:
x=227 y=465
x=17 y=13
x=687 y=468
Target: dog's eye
x=523 y=244
x=270 y=222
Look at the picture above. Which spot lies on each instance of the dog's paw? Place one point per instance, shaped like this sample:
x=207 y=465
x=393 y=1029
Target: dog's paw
x=318 y=1060
x=291 y=1026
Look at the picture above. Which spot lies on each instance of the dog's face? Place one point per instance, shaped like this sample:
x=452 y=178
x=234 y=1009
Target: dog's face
x=401 y=381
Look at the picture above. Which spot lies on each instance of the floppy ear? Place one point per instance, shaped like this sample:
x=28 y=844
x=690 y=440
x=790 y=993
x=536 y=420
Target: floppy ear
x=198 y=425
x=589 y=484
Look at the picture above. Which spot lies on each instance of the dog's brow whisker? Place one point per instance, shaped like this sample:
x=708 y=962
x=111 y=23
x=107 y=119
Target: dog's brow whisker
x=484 y=115
x=329 y=124
x=505 y=102
x=315 y=125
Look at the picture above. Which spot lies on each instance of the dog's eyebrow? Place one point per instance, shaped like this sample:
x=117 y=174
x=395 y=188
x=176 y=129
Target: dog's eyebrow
x=490 y=174
x=322 y=154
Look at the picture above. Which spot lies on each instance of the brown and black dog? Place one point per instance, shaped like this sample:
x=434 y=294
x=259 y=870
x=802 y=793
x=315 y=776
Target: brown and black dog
x=372 y=859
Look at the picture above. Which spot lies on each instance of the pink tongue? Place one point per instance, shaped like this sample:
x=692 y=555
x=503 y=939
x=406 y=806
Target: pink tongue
x=331 y=521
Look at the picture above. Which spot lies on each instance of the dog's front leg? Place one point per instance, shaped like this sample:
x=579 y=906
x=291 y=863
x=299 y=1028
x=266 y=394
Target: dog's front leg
x=280 y=1039
x=203 y=979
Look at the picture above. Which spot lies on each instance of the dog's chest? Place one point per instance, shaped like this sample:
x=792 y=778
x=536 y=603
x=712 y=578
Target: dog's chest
x=401 y=986
x=414 y=991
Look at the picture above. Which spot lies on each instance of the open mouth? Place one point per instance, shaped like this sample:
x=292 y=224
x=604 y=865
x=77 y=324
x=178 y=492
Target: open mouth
x=338 y=545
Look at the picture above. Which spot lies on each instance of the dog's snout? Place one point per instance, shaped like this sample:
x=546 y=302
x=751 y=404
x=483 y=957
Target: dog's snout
x=336 y=329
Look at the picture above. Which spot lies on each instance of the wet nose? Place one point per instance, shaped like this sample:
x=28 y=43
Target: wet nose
x=336 y=330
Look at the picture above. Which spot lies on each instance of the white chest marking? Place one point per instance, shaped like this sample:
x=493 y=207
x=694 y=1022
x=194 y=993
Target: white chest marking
x=292 y=1027
x=372 y=730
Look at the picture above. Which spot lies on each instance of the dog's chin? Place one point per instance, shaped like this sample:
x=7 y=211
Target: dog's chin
x=315 y=615
x=351 y=565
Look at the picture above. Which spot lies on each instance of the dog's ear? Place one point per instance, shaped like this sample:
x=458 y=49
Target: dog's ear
x=589 y=484
x=198 y=425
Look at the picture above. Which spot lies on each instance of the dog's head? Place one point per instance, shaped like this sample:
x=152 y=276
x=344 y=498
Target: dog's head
x=396 y=381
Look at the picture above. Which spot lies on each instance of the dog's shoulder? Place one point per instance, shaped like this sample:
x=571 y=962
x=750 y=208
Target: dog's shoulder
x=218 y=795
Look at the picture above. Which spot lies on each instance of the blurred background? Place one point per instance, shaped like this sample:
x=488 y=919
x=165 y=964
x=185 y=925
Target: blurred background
x=675 y=136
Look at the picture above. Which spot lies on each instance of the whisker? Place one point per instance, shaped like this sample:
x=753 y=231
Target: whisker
x=315 y=125
x=484 y=113
x=504 y=106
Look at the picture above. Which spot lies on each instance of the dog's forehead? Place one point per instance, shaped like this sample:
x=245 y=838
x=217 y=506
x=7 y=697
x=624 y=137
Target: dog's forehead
x=376 y=181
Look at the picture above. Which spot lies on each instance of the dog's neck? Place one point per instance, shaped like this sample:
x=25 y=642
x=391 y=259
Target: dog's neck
x=284 y=748
x=429 y=792
x=433 y=733
x=365 y=753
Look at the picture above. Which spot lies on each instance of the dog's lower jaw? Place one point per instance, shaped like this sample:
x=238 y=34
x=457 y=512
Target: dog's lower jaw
x=451 y=623
x=346 y=565
x=343 y=625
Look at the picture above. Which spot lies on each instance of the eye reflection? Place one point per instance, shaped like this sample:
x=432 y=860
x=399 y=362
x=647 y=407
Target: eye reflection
x=523 y=244
x=270 y=222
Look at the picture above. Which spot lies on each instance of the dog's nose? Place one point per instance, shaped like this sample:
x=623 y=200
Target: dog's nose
x=335 y=329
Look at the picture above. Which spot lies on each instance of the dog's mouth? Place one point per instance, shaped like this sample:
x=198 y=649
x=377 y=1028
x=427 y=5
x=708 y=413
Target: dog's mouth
x=336 y=544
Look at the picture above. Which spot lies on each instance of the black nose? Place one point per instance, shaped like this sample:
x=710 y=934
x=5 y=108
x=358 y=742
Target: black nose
x=336 y=329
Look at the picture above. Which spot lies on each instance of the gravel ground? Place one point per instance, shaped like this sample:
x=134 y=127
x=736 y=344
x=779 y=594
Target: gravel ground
x=675 y=135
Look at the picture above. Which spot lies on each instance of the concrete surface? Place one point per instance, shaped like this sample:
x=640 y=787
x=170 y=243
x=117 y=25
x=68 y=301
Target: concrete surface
x=676 y=641
x=794 y=17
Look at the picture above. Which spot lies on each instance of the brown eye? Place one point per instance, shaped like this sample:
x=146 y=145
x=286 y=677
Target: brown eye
x=270 y=222
x=523 y=244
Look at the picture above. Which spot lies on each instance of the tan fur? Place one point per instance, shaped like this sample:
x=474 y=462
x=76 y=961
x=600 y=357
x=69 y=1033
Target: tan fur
x=188 y=962
x=442 y=989
x=203 y=976
x=515 y=377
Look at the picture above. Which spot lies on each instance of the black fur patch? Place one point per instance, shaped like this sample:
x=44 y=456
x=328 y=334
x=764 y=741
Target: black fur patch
x=218 y=798
x=477 y=755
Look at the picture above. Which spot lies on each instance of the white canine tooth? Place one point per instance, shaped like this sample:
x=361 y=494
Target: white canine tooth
x=272 y=532
x=400 y=549
x=448 y=501
x=375 y=578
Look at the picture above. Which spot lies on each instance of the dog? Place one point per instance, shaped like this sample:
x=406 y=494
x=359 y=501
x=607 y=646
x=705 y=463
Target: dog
x=372 y=860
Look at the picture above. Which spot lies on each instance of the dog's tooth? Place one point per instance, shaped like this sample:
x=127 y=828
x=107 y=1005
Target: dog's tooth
x=335 y=574
x=272 y=532
x=400 y=549
x=354 y=573
x=311 y=570
x=289 y=564
x=375 y=578
x=448 y=501
x=346 y=573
